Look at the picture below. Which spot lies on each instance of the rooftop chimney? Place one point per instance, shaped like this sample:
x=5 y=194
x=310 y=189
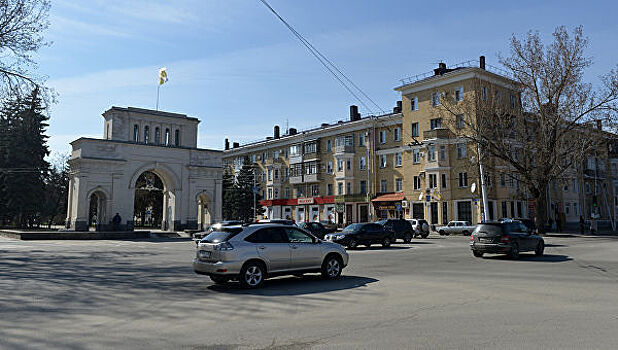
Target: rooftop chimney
x=324 y=125
x=397 y=108
x=236 y=145
x=292 y=131
x=354 y=115
x=482 y=62
x=276 y=133
x=227 y=144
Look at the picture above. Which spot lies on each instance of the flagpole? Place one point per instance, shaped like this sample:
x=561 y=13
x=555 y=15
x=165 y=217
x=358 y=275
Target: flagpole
x=158 y=88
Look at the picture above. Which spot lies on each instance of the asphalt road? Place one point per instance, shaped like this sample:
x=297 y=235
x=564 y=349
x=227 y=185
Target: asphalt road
x=429 y=294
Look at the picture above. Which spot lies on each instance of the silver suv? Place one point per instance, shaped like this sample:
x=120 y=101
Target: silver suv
x=251 y=254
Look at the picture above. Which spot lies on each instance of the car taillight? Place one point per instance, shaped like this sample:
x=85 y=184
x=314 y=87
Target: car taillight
x=505 y=239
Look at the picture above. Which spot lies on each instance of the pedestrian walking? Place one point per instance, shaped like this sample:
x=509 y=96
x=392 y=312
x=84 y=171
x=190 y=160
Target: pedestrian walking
x=582 y=226
x=593 y=226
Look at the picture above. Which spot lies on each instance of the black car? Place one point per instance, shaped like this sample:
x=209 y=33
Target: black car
x=361 y=234
x=509 y=237
x=399 y=228
x=316 y=228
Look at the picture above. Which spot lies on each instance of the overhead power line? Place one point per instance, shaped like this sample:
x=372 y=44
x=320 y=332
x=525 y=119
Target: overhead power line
x=328 y=64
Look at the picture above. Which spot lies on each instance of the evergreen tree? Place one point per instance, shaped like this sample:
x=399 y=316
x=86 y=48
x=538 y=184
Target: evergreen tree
x=56 y=192
x=245 y=181
x=23 y=150
x=230 y=201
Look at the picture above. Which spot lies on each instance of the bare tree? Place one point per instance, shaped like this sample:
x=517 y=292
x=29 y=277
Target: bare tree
x=22 y=23
x=538 y=125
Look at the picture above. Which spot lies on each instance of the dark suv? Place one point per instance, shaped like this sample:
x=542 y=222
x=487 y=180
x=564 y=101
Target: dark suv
x=316 y=228
x=365 y=233
x=399 y=228
x=509 y=238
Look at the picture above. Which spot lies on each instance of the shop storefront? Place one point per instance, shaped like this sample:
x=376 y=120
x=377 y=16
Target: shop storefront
x=301 y=209
x=389 y=206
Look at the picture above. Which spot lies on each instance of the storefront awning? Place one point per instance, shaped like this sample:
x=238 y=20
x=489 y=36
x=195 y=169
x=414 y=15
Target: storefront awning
x=390 y=197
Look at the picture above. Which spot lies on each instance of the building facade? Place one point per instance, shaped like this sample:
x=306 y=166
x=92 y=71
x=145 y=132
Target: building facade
x=411 y=163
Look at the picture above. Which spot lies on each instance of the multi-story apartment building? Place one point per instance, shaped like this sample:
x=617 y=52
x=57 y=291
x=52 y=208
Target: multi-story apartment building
x=412 y=163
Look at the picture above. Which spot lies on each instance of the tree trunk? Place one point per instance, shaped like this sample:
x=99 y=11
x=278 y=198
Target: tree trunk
x=540 y=209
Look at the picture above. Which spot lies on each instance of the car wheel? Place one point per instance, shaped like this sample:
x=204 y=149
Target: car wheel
x=514 y=253
x=219 y=279
x=465 y=233
x=386 y=242
x=407 y=238
x=352 y=244
x=477 y=253
x=331 y=267
x=425 y=235
x=252 y=275
x=442 y=233
x=540 y=248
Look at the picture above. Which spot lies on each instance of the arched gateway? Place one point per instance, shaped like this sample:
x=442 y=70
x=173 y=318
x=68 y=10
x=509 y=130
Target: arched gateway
x=144 y=145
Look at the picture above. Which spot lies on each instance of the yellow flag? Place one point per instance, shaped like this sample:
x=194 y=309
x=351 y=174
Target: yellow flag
x=162 y=75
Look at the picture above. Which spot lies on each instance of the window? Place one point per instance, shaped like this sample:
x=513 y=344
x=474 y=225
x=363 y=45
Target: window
x=361 y=139
x=167 y=137
x=414 y=103
x=339 y=164
x=398 y=185
x=464 y=211
x=414 y=129
x=297 y=236
x=276 y=173
x=383 y=186
x=268 y=235
x=443 y=181
x=484 y=93
x=383 y=161
x=463 y=179
x=397 y=134
x=460 y=121
x=431 y=153
x=435 y=99
x=270 y=193
x=348 y=164
x=488 y=179
x=311 y=168
x=107 y=135
x=363 y=163
x=294 y=150
x=296 y=170
x=416 y=156
x=459 y=93
x=433 y=181
x=398 y=159
x=287 y=172
x=275 y=154
x=461 y=150
x=299 y=192
x=442 y=152
x=329 y=145
x=329 y=167
x=363 y=187
x=382 y=136
x=348 y=188
x=253 y=158
x=340 y=188
x=270 y=175
x=344 y=141
x=136 y=133
x=315 y=190
x=287 y=192
x=436 y=123
x=264 y=154
x=176 y=137
x=513 y=101
x=502 y=180
x=329 y=189
x=575 y=188
x=157 y=135
x=417 y=183
x=311 y=147
x=499 y=96
x=146 y=134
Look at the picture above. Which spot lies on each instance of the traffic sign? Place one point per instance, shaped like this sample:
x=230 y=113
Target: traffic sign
x=255 y=189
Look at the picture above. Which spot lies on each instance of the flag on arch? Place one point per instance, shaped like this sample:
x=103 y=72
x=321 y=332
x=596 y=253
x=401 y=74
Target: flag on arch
x=162 y=75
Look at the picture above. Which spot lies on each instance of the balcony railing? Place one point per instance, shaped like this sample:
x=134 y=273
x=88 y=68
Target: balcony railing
x=296 y=179
x=344 y=149
x=437 y=134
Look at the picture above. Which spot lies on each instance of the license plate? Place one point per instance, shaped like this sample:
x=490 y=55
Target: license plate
x=485 y=240
x=205 y=254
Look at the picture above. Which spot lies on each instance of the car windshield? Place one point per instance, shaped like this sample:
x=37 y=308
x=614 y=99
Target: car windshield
x=352 y=228
x=221 y=235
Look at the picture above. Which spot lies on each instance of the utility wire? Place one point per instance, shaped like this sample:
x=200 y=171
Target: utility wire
x=326 y=62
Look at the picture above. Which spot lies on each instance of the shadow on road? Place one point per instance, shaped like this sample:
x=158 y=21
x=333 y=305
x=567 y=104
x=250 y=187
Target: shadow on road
x=309 y=284
x=555 y=245
x=531 y=257
x=378 y=247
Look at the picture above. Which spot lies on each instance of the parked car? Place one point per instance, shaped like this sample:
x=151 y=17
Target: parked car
x=257 y=252
x=399 y=228
x=216 y=227
x=361 y=234
x=456 y=227
x=509 y=238
x=316 y=228
x=420 y=227
x=329 y=225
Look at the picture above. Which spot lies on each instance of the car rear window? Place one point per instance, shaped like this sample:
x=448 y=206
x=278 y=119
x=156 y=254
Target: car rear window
x=491 y=229
x=221 y=236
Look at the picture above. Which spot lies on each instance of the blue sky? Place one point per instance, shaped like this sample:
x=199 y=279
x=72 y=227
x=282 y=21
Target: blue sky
x=233 y=65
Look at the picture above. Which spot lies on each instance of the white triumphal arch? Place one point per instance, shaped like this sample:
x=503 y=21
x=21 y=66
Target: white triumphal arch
x=147 y=156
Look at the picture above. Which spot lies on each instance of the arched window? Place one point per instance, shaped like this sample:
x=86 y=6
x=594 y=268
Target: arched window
x=157 y=139
x=136 y=133
x=167 y=137
x=177 y=137
x=146 y=134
